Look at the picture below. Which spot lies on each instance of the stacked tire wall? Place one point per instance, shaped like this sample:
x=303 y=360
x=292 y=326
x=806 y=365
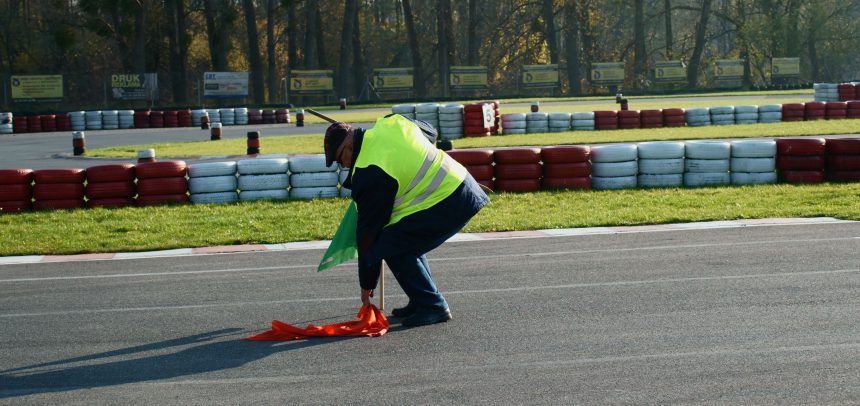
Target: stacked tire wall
x=161 y=183
x=566 y=167
x=614 y=166
x=661 y=164
x=58 y=188
x=800 y=160
x=518 y=169
x=111 y=185
x=263 y=179
x=478 y=162
x=213 y=182
x=707 y=163
x=16 y=190
x=843 y=159
x=310 y=178
x=753 y=162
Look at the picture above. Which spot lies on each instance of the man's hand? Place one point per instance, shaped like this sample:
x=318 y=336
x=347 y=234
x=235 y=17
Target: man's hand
x=366 y=294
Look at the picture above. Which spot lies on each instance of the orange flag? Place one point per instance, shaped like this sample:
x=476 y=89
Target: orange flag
x=371 y=323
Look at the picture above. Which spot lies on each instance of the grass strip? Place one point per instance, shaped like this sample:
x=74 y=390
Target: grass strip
x=167 y=227
x=312 y=144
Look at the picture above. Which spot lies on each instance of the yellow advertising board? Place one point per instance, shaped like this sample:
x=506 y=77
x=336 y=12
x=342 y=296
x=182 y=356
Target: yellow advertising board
x=607 y=73
x=37 y=88
x=311 y=81
x=468 y=77
x=393 y=79
x=670 y=72
x=785 y=67
x=729 y=69
x=540 y=75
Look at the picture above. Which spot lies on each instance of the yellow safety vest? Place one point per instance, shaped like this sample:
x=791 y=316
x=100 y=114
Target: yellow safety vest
x=425 y=175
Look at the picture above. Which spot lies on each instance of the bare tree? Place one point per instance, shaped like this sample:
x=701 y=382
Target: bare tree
x=344 y=76
x=639 y=56
x=417 y=64
x=445 y=42
x=272 y=67
x=549 y=30
x=698 y=48
x=257 y=77
x=474 y=41
x=572 y=47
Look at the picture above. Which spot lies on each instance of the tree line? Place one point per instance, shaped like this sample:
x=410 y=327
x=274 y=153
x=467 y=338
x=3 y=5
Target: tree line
x=89 y=40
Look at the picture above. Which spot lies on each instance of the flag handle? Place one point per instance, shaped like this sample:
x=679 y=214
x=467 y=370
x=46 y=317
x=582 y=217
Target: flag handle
x=381 y=285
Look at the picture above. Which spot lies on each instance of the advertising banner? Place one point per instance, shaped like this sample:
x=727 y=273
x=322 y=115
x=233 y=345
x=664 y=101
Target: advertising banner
x=729 y=69
x=540 y=76
x=37 y=88
x=393 y=79
x=670 y=72
x=607 y=73
x=785 y=67
x=468 y=77
x=311 y=81
x=134 y=86
x=225 y=85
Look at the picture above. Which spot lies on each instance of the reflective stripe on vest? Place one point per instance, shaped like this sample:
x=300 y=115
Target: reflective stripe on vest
x=424 y=175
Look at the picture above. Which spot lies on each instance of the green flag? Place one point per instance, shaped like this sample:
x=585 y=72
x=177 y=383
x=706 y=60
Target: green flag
x=343 y=246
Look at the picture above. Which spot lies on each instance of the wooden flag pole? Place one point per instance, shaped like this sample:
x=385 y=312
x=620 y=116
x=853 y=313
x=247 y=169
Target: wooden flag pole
x=382 y=286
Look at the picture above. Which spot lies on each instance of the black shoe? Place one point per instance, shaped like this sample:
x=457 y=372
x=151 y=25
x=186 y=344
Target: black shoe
x=424 y=316
x=404 y=311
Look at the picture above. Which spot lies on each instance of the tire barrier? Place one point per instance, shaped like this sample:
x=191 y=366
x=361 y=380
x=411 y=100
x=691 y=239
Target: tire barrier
x=753 y=162
x=64 y=122
x=213 y=182
x=110 y=186
x=660 y=164
x=722 y=115
x=698 y=117
x=514 y=123
x=282 y=116
x=814 y=111
x=537 y=122
x=614 y=166
x=770 y=113
x=93 y=120
x=451 y=121
x=847 y=91
x=836 y=110
x=628 y=119
x=125 y=119
x=800 y=160
x=826 y=92
x=110 y=119
x=583 y=121
x=478 y=162
x=497 y=117
x=197 y=116
x=606 y=120
x=270 y=176
x=228 y=116
x=747 y=114
x=674 y=117
x=6 y=126
x=58 y=188
x=518 y=169
x=269 y=117
x=310 y=178
x=842 y=157
x=428 y=112
x=707 y=163
x=651 y=118
x=34 y=124
x=566 y=167
x=214 y=115
x=156 y=119
x=405 y=110
x=240 y=115
x=161 y=183
x=141 y=119
x=559 y=122
x=16 y=191
x=473 y=121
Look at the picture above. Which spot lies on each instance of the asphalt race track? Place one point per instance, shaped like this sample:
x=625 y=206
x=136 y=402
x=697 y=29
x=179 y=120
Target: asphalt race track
x=747 y=315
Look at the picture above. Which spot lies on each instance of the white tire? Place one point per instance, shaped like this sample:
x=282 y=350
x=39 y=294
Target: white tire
x=540 y=117
x=706 y=165
x=753 y=165
x=212 y=184
x=707 y=149
x=753 y=149
x=583 y=128
x=314 y=179
x=746 y=109
x=624 y=182
x=264 y=182
x=582 y=123
x=314 y=192
x=660 y=150
x=613 y=153
x=310 y=163
x=746 y=122
x=220 y=197
x=403 y=109
x=537 y=130
x=451 y=109
x=770 y=117
x=757 y=178
x=426 y=108
x=6 y=129
x=206 y=169
x=699 y=123
x=451 y=117
x=769 y=108
x=722 y=110
x=559 y=116
x=700 y=112
x=661 y=166
x=746 y=117
x=667 y=180
x=513 y=124
x=615 y=169
x=513 y=131
x=262 y=166
x=252 y=195
x=723 y=122
x=583 y=116
x=514 y=117
x=559 y=123
x=427 y=116
x=706 y=179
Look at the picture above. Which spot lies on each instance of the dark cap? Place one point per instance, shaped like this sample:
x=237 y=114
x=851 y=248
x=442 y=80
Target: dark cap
x=334 y=136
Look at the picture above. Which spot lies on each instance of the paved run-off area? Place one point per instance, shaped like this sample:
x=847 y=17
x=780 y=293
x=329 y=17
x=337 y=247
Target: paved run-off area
x=737 y=315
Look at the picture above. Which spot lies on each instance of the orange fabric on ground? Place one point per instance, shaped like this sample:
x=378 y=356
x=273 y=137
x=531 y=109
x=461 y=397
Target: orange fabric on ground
x=371 y=323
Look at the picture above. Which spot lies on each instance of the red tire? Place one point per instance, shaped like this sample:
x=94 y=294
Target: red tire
x=20 y=191
x=518 y=171
x=651 y=113
x=651 y=120
x=110 y=190
x=628 y=114
x=474 y=108
x=836 y=106
x=853 y=105
x=517 y=156
x=565 y=154
x=58 y=204
x=58 y=191
x=469 y=157
x=163 y=169
x=835 y=163
x=474 y=123
x=837 y=114
x=517 y=185
x=567 y=170
x=605 y=126
x=16 y=176
x=610 y=114
x=815 y=106
x=800 y=146
x=154 y=200
x=792 y=107
x=837 y=176
x=566 y=183
x=673 y=112
x=475 y=130
x=110 y=173
x=481 y=172
x=15 y=205
x=802 y=176
x=628 y=123
x=788 y=118
x=115 y=202
x=800 y=162
x=162 y=186
x=842 y=146
x=59 y=176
